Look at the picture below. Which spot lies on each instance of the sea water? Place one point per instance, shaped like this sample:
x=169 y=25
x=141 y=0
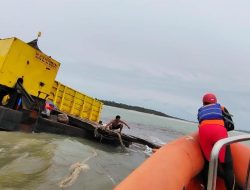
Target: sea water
x=47 y=161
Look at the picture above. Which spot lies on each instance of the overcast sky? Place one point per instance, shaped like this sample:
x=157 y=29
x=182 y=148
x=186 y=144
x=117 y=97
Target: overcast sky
x=158 y=54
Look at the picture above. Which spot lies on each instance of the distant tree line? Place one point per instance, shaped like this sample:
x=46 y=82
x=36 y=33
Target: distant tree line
x=244 y=131
x=145 y=110
x=136 y=108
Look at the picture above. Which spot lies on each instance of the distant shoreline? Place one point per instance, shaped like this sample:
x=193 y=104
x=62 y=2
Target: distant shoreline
x=244 y=131
x=140 y=109
x=150 y=111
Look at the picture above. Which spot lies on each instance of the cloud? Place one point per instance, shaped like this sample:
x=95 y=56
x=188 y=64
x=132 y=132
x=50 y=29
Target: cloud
x=159 y=54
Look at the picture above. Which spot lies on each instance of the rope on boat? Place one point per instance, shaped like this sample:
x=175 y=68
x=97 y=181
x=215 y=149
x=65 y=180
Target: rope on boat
x=120 y=139
x=75 y=170
x=97 y=134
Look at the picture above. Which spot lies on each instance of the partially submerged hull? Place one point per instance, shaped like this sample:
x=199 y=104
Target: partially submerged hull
x=177 y=165
x=12 y=120
x=27 y=82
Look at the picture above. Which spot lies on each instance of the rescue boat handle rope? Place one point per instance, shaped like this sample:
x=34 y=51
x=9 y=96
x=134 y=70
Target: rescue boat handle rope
x=75 y=170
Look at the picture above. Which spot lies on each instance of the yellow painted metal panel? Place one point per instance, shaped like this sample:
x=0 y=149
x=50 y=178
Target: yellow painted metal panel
x=4 y=50
x=75 y=103
x=20 y=60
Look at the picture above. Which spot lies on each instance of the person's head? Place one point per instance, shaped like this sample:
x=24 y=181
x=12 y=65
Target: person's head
x=209 y=98
x=117 y=117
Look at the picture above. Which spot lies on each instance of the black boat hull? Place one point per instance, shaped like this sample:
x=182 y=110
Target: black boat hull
x=13 y=120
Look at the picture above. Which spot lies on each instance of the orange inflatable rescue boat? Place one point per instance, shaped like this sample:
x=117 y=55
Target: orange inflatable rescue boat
x=176 y=166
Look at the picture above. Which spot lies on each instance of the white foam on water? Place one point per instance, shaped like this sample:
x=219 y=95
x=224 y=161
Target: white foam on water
x=111 y=179
x=75 y=170
x=148 y=151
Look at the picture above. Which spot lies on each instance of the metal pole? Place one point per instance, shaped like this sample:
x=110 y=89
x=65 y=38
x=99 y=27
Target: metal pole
x=212 y=174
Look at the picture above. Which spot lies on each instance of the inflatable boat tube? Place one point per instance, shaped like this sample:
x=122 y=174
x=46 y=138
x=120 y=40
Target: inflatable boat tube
x=177 y=164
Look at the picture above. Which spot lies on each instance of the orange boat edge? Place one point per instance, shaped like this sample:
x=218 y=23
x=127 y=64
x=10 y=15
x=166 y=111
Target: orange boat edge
x=177 y=165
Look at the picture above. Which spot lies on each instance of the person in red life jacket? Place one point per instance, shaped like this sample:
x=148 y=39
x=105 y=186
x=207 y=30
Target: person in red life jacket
x=116 y=124
x=213 y=127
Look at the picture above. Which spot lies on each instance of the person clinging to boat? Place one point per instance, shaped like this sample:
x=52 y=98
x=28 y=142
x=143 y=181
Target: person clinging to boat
x=116 y=124
x=214 y=122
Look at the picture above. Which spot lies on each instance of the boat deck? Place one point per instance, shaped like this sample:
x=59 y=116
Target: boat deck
x=13 y=120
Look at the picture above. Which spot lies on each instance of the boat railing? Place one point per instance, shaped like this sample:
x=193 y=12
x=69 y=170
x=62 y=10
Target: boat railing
x=213 y=165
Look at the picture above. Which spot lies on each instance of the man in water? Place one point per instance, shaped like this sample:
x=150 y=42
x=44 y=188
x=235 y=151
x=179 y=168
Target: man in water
x=116 y=124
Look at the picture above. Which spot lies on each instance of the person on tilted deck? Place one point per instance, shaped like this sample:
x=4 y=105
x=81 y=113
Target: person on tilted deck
x=116 y=124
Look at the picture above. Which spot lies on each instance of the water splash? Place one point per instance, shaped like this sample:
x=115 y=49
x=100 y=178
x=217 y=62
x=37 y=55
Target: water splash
x=148 y=151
